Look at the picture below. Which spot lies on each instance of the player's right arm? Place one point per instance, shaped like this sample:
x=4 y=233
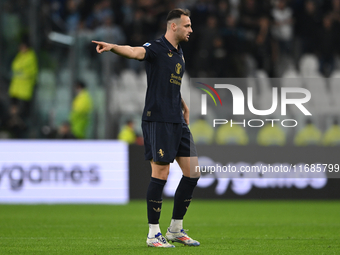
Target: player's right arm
x=122 y=50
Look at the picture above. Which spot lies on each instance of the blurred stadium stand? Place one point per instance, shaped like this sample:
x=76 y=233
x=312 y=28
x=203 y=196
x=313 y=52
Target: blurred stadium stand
x=118 y=86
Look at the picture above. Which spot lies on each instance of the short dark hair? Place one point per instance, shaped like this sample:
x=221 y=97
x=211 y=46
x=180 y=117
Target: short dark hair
x=25 y=40
x=80 y=84
x=177 y=13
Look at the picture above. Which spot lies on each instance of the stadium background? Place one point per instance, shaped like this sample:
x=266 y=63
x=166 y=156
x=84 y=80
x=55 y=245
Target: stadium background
x=240 y=35
x=224 y=44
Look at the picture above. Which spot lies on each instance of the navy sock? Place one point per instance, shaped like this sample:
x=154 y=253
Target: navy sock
x=154 y=199
x=183 y=196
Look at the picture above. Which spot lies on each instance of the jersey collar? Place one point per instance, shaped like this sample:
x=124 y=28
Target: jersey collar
x=170 y=46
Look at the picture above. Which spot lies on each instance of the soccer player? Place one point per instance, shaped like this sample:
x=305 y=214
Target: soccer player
x=165 y=125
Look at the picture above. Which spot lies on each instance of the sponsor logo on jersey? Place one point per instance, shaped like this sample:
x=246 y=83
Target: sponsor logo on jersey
x=178 y=68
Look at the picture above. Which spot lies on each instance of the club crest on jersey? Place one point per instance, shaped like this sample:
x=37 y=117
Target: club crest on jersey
x=146 y=44
x=170 y=54
x=178 y=68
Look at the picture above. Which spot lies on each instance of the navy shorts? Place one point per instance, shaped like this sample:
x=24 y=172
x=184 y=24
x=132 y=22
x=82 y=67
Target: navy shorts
x=164 y=141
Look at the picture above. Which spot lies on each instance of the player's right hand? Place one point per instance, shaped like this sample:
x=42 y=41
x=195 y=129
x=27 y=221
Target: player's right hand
x=102 y=46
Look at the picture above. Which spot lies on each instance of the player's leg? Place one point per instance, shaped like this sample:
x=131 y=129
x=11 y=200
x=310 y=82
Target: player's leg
x=188 y=162
x=189 y=166
x=184 y=191
x=154 y=199
x=159 y=175
x=160 y=171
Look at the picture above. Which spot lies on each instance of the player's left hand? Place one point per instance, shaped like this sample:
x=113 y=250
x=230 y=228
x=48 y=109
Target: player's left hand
x=186 y=116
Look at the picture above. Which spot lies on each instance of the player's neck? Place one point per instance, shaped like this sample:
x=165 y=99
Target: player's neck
x=171 y=39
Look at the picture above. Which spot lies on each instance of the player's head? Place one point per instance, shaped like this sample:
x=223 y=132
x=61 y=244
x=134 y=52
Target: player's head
x=178 y=23
x=64 y=128
x=130 y=123
x=25 y=43
x=79 y=85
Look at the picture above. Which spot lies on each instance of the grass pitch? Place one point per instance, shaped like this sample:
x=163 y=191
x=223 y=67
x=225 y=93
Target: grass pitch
x=222 y=227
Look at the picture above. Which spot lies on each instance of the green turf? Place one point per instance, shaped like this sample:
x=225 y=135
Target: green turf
x=222 y=227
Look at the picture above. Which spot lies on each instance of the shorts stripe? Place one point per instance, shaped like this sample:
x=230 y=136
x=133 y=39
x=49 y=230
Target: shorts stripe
x=153 y=141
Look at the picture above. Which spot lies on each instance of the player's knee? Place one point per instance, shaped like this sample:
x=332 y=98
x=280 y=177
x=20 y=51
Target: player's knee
x=163 y=175
x=160 y=170
x=195 y=174
x=195 y=171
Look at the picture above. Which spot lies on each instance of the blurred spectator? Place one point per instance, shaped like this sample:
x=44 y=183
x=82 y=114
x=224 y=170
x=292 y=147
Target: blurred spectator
x=3 y=113
x=153 y=11
x=271 y=135
x=72 y=16
x=255 y=21
x=11 y=28
x=309 y=135
x=202 y=132
x=206 y=38
x=327 y=46
x=81 y=110
x=218 y=59
x=101 y=10
x=15 y=124
x=308 y=24
x=64 y=131
x=137 y=34
x=24 y=74
x=222 y=11
x=199 y=13
x=127 y=10
x=282 y=34
x=137 y=30
x=109 y=32
x=57 y=13
x=234 y=7
x=282 y=29
x=335 y=16
x=127 y=133
x=48 y=132
x=234 y=40
x=332 y=135
x=235 y=134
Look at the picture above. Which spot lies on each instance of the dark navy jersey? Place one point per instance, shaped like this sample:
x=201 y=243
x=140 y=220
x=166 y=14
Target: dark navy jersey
x=164 y=69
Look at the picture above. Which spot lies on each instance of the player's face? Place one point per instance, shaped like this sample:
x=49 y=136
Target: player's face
x=184 y=28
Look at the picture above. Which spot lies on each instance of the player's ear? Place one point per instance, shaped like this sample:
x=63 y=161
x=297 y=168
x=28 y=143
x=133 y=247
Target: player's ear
x=173 y=26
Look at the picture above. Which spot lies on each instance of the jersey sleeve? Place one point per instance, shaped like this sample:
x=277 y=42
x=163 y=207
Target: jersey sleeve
x=151 y=51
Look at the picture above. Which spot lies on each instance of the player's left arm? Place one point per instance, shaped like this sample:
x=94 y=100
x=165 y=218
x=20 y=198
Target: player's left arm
x=185 y=109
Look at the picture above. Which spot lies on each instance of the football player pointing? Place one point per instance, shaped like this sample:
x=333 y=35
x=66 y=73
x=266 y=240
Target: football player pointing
x=165 y=125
